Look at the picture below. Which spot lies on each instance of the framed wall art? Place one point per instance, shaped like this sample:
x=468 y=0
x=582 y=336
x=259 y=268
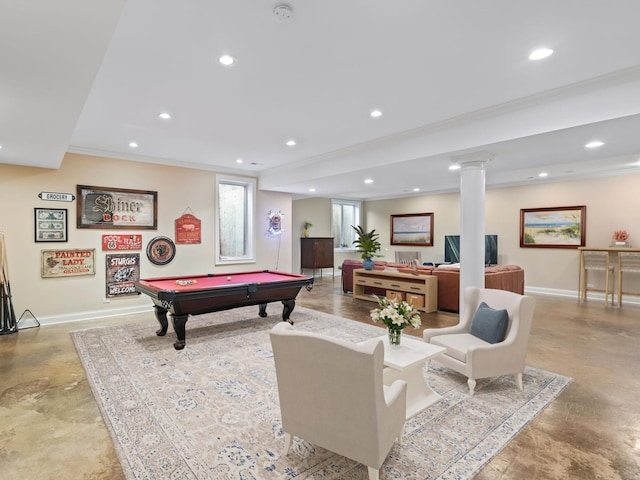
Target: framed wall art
x=415 y=229
x=556 y=227
x=101 y=207
x=50 y=224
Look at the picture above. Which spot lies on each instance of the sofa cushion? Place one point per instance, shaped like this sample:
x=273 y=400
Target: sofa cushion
x=457 y=344
x=489 y=324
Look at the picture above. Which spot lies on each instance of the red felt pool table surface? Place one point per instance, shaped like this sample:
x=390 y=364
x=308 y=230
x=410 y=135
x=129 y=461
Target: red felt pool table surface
x=219 y=279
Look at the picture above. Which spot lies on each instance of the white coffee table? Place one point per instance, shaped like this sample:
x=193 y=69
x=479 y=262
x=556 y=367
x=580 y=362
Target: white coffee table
x=404 y=362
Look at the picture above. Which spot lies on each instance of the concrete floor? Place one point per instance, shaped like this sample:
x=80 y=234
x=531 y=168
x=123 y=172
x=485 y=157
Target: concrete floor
x=51 y=428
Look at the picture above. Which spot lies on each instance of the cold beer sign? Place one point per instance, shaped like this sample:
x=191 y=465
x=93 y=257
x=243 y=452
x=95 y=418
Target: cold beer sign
x=121 y=242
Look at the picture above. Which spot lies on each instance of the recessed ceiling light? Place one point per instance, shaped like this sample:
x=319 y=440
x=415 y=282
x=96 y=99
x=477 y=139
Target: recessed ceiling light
x=291 y=143
x=368 y=180
x=226 y=60
x=543 y=174
x=133 y=144
x=455 y=166
x=0 y=147
x=594 y=144
x=238 y=160
x=375 y=114
x=416 y=189
x=165 y=116
x=312 y=189
x=540 y=53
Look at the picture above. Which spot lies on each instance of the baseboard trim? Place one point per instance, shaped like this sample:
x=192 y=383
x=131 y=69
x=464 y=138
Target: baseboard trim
x=633 y=300
x=92 y=315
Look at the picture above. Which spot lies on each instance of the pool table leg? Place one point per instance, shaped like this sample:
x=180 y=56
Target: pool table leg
x=179 y=322
x=288 y=306
x=161 y=316
x=262 y=310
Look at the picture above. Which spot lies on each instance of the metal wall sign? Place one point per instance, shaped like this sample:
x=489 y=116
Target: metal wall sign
x=188 y=229
x=68 y=263
x=122 y=270
x=57 y=197
x=115 y=241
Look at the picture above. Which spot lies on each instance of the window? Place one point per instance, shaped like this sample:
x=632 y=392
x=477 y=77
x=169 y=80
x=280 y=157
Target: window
x=235 y=207
x=344 y=214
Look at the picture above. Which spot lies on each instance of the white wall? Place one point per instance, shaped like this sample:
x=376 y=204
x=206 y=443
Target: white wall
x=63 y=299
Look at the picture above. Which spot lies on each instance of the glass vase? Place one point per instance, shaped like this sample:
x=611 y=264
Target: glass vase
x=395 y=335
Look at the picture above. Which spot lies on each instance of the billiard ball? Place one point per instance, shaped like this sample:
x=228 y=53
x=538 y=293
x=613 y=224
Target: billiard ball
x=228 y=279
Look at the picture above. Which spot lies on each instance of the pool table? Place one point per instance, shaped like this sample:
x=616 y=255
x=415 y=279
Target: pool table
x=195 y=295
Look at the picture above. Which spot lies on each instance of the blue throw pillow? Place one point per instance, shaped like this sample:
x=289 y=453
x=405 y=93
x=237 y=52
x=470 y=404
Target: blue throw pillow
x=490 y=325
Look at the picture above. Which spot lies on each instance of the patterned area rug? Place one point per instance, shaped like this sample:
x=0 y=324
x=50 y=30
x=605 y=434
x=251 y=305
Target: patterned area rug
x=211 y=411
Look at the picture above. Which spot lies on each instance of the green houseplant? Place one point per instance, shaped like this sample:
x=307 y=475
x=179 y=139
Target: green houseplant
x=305 y=227
x=368 y=245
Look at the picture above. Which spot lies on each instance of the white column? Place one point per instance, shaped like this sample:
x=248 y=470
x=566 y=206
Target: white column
x=472 y=230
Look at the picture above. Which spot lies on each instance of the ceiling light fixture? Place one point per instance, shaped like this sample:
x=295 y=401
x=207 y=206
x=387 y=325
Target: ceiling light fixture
x=455 y=166
x=368 y=180
x=540 y=53
x=165 y=116
x=594 y=144
x=227 y=60
x=375 y=114
x=238 y=160
x=291 y=143
x=543 y=174
x=133 y=144
x=312 y=190
x=416 y=189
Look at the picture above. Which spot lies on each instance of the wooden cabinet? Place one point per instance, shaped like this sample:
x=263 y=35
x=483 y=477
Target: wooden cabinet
x=316 y=252
x=421 y=290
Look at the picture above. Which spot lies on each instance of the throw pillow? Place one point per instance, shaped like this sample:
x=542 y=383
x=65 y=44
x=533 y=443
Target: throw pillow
x=489 y=324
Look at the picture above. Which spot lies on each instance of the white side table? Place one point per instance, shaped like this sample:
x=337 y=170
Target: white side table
x=404 y=362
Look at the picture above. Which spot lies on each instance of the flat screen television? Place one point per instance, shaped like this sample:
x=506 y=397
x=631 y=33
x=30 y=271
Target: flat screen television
x=452 y=249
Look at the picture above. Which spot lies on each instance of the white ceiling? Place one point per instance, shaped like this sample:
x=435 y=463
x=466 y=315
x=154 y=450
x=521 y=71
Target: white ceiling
x=451 y=78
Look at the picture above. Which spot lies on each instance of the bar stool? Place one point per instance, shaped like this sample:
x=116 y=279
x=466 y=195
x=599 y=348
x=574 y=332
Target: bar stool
x=598 y=262
x=628 y=262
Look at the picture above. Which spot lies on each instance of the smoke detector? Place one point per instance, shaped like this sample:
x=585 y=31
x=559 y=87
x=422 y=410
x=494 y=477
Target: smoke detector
x=283 y=12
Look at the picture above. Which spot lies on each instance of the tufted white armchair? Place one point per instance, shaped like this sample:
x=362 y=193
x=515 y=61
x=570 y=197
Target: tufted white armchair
x=476 y=358
x=332 y=395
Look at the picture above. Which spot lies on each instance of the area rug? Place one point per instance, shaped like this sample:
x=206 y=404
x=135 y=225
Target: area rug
x=211 y=411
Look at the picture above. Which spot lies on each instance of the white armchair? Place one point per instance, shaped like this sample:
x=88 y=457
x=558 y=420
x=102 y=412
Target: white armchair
x=332 y=395
x=476 y=358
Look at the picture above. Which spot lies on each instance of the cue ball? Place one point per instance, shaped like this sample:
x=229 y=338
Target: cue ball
x=229 y=279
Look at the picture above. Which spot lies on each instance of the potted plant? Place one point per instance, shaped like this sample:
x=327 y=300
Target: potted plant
x=396 y=316
x=305 y=227
x=367 y=245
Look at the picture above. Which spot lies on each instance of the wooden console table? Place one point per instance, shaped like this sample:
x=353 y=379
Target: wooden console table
x=424 y=285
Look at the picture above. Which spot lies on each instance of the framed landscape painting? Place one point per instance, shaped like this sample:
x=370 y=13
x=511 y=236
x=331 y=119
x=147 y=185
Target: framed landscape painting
x=415 y=229
x=557 y=227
